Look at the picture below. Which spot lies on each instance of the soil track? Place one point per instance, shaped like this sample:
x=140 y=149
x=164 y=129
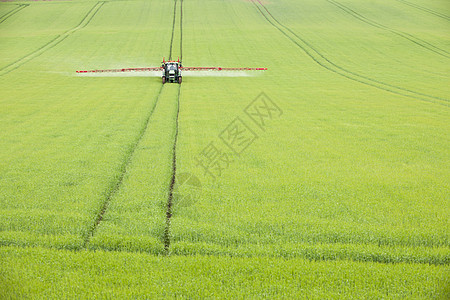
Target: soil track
x=60 y=38
x=409 y=37
x=425 y=9
x=173 y=28
x=12 y=12
x=123 y=170
x=166 y=237
x=181 y=30
x=324 y=62
x=172 y=180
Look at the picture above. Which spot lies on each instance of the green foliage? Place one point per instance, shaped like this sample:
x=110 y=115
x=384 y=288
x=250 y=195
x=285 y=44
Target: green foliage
x=44 y=273
x=343 y=195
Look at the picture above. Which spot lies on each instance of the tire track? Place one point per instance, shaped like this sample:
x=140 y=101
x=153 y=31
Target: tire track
x=410 y=37
x=166 y=237
x=425 y=9
x=13 y=12
x=324 y=62
x=173 y=28
x=181 y=30
x=123 y=170
x=60 y=38
x=116 y=186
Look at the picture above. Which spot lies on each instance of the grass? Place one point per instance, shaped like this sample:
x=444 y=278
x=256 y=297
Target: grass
x=86 y=274
x=341 y=157
x=80 y=139
x=342 y=196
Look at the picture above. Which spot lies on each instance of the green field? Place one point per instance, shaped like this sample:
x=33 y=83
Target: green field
x=338 y=187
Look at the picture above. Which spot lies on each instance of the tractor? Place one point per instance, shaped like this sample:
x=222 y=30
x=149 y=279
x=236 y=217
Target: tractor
x=171 y=71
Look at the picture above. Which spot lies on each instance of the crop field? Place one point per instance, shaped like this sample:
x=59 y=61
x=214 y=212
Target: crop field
x=324 y=176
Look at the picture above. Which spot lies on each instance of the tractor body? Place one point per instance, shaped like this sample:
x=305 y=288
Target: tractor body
x=171 y=71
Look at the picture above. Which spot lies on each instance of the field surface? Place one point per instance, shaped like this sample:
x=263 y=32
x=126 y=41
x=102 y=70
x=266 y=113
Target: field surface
x=326 y=176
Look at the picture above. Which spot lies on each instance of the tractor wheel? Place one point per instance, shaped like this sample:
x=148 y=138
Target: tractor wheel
x=179 y=79
x=163 y=79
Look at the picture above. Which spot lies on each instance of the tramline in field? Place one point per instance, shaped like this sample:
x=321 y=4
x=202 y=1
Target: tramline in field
x=340 y=197
x=171 y=70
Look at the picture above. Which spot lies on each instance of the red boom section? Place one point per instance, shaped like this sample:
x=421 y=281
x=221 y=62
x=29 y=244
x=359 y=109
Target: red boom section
x=123 y=70
x=182 y=68
x=221 y=69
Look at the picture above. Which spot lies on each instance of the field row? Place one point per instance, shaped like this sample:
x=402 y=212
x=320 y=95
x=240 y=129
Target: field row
x=44 y=273
x=340 y=174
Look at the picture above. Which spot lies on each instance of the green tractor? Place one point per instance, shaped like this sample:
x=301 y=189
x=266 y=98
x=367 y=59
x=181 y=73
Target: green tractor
x=171 y=71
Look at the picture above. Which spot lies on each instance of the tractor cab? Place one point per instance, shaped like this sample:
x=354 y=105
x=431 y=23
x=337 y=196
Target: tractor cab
x=171 y=71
